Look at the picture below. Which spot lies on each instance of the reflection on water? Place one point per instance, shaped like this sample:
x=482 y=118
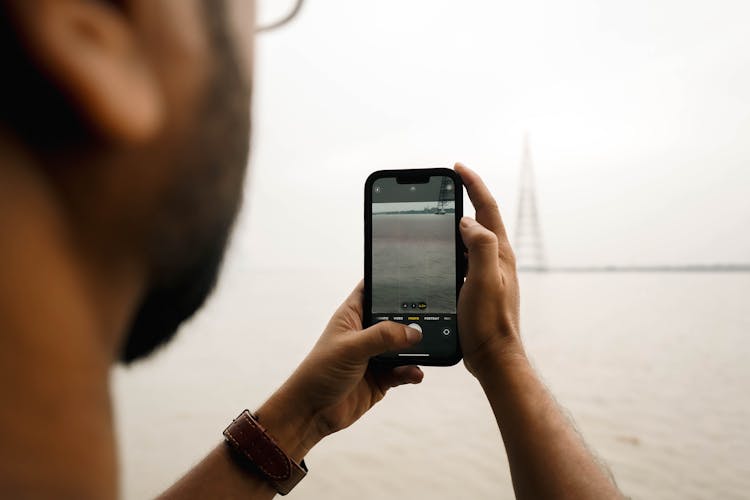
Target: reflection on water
x=653 y=368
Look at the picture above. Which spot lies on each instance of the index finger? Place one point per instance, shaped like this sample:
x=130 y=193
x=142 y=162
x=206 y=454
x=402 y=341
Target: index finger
x=355 y=299
x=488 y=213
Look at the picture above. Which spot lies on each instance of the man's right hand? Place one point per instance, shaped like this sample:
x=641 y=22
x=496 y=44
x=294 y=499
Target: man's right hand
x=488 y=306
x=548 y=458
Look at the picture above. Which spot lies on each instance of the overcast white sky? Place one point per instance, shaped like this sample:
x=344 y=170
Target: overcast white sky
x=638 y=112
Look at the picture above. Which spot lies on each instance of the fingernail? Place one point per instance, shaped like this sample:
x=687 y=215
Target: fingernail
x=413 y=336
x=467 y=221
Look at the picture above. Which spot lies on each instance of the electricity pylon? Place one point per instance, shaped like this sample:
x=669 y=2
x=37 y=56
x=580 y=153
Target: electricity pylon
x=528 y=243
x=445 y=195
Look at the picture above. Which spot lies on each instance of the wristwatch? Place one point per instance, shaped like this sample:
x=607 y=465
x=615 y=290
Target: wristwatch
x=255 y=450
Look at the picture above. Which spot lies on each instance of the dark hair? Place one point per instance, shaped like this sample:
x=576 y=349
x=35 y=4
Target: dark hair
x=32 y=106
x=197 y=216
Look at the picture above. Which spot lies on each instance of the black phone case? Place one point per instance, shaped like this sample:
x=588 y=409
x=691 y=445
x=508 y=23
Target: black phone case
x=460 y=258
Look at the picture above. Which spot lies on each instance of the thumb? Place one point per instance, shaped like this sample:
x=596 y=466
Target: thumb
x=383 y=337
x=482 y=247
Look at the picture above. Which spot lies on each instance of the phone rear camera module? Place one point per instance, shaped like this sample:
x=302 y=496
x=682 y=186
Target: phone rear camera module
x=378 y=189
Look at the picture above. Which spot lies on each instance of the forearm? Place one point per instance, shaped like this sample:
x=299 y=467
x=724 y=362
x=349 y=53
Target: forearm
x=548 y=458
x=219 y=476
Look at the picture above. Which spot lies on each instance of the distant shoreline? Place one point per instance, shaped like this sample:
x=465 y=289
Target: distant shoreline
x=418 y=212
x=689 y=268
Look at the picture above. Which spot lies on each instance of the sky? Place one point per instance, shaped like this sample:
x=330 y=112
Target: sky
x=638 y=115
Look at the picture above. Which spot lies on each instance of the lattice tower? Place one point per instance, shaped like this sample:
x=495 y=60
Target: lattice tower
x=528 y=243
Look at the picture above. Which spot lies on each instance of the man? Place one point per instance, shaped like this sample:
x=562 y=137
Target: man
x=123 y=143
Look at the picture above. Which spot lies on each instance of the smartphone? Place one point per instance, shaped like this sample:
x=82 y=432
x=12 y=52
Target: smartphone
x=414 y=259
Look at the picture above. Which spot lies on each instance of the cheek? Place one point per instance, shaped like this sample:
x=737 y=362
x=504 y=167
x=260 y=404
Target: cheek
x=241 y=20
x=174 y=35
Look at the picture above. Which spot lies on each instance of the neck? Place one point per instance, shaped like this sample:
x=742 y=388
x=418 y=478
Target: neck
x=63 y=312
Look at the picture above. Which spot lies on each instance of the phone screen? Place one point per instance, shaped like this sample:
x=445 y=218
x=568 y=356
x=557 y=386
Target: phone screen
x=413 y=255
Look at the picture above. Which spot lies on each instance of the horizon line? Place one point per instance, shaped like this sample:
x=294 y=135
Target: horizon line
x=648 y=268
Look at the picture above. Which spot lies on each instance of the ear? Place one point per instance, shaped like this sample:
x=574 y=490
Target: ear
x=92 y=52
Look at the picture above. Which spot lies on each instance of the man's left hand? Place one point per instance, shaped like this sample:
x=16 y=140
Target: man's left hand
x=336 y=383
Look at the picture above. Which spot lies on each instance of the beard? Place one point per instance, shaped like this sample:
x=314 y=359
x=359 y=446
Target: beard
x=192 y=227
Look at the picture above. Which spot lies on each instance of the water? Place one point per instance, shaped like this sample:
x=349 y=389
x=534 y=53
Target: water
x=411 y=265
x=652 y=367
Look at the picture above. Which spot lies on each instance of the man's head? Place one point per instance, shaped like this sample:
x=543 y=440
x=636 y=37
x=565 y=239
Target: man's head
x=137 y=115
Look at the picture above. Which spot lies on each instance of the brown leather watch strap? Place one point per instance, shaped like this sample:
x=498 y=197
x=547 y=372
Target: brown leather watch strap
x=259 y=451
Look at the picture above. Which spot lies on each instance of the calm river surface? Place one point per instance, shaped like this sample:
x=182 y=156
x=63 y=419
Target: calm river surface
x=413 y=261
x=652 y=367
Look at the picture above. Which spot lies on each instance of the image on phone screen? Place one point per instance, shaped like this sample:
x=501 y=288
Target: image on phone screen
x=413 y=259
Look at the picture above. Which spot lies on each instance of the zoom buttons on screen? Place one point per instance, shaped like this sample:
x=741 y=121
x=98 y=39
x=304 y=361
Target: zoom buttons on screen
x=415 y=326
